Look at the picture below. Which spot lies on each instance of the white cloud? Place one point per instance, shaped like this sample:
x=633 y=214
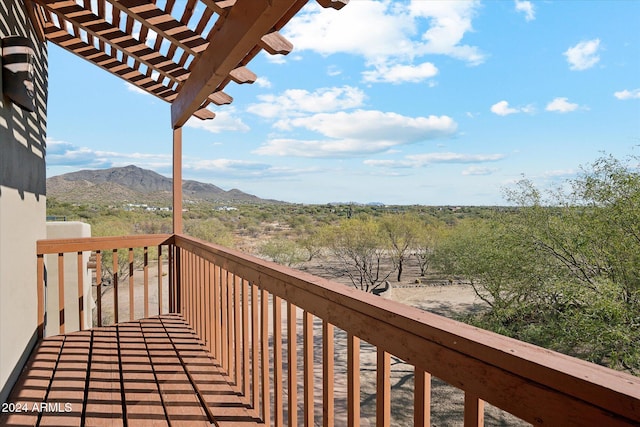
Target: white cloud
x=66 y=154
x=628 y=94
x=333 y=70
x=387 y=33
x=401 y=73
x=527 y=8
x=62 y=153
x=263 y=82
x=135 y=89
x=356 y=133
x=226 y=120
x=294 y=102
x=561 y=105
x=562 y=173
x=584 y=55
x=426 y=159
x=478 y=171
x=350 y=31
x=449 y=21
x=502 y=108
x=239 y=169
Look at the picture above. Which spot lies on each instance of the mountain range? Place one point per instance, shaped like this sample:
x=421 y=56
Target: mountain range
x=131 y=184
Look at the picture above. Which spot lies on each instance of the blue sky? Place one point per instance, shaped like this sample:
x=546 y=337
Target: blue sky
x=421 y=102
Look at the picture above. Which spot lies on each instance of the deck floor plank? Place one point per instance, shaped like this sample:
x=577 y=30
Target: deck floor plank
x=104 y=406
x=131 y=374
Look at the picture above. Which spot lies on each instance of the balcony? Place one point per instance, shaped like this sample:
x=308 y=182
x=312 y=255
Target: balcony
x=203 y=335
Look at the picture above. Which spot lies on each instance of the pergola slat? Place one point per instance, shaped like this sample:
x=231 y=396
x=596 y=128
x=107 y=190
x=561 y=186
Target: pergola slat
x=108 y=63
x=162 y=23
x=181 y=56
x=116 y=38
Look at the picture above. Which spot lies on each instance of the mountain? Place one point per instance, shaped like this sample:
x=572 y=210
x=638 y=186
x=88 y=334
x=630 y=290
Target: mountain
x=132 y=184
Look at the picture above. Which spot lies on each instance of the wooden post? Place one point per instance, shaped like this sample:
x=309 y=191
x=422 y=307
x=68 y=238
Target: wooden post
x=177 y=180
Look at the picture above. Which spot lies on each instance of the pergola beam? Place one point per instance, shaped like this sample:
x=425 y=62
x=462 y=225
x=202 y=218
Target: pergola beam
x=245 y=25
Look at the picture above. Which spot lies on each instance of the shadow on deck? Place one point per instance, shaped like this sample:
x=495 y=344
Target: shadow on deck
x=153 y=371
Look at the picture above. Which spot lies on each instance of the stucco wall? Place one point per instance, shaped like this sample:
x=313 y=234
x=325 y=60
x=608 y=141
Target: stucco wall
x=68 y=230
x=22 y=205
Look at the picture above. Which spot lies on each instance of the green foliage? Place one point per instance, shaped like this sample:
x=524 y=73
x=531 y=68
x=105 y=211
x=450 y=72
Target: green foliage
x=562 y=270
x=212 y=230
x=282 y=251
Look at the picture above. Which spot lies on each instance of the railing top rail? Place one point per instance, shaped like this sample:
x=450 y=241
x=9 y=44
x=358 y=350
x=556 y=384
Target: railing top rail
x=54 y=246
x=378 y=320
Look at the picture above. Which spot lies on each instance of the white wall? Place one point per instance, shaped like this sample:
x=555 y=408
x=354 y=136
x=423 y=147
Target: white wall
x=22 y=206
x=67 y=230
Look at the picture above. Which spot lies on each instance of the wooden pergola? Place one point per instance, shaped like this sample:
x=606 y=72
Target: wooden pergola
x=178 y=54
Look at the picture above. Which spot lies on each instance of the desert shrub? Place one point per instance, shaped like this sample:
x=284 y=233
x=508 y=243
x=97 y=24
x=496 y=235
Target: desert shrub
x=563 y=269
x=283 y=251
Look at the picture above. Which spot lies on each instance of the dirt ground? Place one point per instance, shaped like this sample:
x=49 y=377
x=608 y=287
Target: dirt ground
x=438 y=296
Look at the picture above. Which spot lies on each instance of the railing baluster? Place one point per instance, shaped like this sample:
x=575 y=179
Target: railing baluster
x=185 y=286
x=292 y=363
x=61 y=292
x=327 y=374
x=160 y=279
x=217 y=290
x=237 y=327
x=180 y=268
x=307 y=337
x=421 y=398
x=225 y=325
x=80 y=291
x=190 y=288
x=40 y=290
x=200 y=297
x=131 y=296
x=264 y=323
x=115 y=285
x=212 y=306
x=230 y=343
x=206 y=281
x=245 y=340
x=278 y=420
x=383 y=389
x=99 y=285
x=473 y=410
x=255 y=378
x=353 y=380
x=171 y=279
x=145 y=270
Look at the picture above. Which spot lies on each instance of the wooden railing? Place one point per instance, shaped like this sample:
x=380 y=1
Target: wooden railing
x=283 y=335
x=121 y=252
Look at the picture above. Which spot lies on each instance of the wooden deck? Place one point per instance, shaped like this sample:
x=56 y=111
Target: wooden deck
x=151 y=372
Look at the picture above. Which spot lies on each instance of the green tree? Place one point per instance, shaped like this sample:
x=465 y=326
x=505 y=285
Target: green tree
x=402 y=232
x=425 y=245
x=563 y=269
x=282 y=251
x=359 y=246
